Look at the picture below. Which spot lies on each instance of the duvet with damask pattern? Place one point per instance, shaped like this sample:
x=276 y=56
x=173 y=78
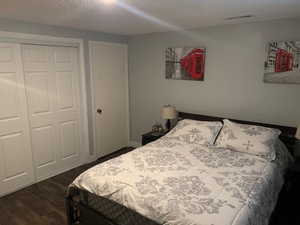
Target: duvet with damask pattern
x=173 y=182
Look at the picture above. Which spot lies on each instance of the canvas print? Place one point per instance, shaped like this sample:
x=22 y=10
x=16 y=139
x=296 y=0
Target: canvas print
x=282 y=62
x=185 y=63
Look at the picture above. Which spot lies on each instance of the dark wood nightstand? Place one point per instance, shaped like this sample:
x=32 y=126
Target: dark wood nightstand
x=291 y=187
x=151 y=136
x=293 y=176
x=296 y=149
x=286 y=210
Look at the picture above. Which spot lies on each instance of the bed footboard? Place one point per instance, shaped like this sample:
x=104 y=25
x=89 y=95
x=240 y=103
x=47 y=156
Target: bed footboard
x=84 y=208
x=72 y=207
x=79 y=213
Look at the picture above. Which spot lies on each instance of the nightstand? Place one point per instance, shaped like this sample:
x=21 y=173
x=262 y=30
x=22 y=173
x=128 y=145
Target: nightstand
x=286 y=210
x=296 y=149
x=293 y=174
x=151 y=136
x=292 y=177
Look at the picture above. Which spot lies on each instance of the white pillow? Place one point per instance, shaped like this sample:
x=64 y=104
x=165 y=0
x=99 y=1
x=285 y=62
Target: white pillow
x=255 y=140
x=196 y=132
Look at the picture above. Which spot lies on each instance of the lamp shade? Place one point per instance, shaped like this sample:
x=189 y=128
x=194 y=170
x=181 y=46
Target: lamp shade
x=168 y=112
x=298 y=133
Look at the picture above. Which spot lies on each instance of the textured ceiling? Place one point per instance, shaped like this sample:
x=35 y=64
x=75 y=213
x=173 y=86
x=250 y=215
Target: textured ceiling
x=144 y=16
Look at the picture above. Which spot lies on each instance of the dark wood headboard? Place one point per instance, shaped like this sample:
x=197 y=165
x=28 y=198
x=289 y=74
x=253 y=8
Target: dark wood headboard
x=287 y=133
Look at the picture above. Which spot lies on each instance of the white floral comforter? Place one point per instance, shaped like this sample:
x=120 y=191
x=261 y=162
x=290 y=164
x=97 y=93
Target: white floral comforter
x=176 y=183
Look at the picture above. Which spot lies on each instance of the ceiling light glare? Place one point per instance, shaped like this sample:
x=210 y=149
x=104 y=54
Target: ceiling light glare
x=109 y=2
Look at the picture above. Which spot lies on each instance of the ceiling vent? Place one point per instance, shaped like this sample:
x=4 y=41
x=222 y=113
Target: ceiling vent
x=239 y=17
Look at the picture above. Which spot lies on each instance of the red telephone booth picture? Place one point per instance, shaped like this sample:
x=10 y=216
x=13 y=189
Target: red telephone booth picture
x=290 y=62
x=194 y=63
x=185 y=63
x=282 y=63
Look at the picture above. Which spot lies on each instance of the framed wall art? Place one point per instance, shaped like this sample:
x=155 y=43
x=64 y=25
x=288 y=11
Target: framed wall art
x=185 y=63
x=282 y=62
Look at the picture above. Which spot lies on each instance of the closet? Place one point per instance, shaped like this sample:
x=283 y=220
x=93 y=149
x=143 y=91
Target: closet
x=39 y=113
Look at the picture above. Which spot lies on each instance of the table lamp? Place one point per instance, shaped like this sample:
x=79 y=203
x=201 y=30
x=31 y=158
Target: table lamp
x=168 y=113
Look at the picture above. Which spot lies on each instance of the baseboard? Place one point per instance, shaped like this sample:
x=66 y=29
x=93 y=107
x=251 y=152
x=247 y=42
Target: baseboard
x=135 y=144
x=58 y=172
x=91 y=158
x=18 y=189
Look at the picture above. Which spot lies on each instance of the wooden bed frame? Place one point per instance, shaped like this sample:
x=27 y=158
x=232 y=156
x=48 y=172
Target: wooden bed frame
x=79 y=213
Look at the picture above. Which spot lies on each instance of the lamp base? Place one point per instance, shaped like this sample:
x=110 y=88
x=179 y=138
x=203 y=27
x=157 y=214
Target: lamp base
x=168 y=125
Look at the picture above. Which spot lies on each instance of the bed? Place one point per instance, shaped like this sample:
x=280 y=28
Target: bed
x=177 y=182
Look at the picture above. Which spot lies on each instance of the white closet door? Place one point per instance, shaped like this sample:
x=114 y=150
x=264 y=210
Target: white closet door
x=68 y=105
x=16 y=169
x=51 y=77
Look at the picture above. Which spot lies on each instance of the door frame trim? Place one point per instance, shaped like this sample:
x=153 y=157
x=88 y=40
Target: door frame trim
x=90 y=43
x=24 y=38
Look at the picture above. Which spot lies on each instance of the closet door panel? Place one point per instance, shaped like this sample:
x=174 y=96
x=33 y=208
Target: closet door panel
x=66 y=67
x=41 y=90
x=11 y=149
x=16 y=165
x=36 y=58
x=52 y=85
x=11 y=125
x=43 y=139
x=69 y=139
x=16 y=169
x=39 y=94
x=9 y=99
x=68 y=117
x=65 y=90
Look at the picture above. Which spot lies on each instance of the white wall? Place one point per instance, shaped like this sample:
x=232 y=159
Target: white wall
x=233 y=85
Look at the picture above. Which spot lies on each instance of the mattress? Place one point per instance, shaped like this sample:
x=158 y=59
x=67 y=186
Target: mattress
x=175 y=183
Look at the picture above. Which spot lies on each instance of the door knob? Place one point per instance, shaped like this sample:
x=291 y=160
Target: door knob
x=99 y=111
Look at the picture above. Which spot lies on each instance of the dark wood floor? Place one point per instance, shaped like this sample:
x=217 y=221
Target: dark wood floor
x=43 y=203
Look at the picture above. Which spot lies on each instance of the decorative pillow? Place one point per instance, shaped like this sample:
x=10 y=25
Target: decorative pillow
x=196 y=132
x=255 y=140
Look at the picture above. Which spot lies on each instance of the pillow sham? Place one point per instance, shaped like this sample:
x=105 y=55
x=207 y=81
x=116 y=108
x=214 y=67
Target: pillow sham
x=255 y=140
x=196 y=132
